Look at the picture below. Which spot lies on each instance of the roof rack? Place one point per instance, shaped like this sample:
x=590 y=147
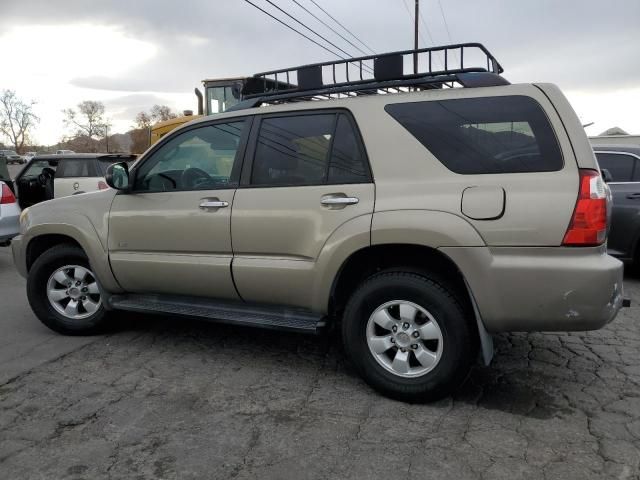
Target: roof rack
x=463 y=64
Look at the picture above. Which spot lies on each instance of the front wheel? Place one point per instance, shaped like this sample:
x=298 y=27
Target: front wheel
x=63 y=292
x=408 y=336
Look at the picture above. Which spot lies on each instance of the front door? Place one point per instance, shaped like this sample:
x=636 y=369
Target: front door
x=171 y=233
x=309 y=177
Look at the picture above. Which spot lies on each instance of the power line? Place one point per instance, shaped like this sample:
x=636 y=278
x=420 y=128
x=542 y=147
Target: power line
x=446 y=25
x=329 y=27
x=308 y=28
x=291 y=28
x=344 y=28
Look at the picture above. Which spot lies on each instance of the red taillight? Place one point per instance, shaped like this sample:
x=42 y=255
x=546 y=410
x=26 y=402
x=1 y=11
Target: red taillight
x=7 y=195
x=102 y=185
x=588 y=225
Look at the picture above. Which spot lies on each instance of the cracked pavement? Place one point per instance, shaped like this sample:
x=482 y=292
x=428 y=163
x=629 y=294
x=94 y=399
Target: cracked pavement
x=164 y=399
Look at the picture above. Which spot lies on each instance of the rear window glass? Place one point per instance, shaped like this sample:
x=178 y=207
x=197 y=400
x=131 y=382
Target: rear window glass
x=68 y=168
x=620 y=166
x=483 y=135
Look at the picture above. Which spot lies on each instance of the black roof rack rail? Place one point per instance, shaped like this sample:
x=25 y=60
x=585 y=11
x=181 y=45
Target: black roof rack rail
x=464 y=64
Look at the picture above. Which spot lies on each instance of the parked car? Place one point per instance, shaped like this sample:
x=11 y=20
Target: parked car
x=414 y=222
x=53 y=176
x=11 y=156
x=9 y=215
x=29 y=155
x=620 y=165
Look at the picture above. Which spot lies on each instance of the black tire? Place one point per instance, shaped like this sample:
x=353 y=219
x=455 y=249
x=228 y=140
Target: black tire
x=42 y=269
x=459 y=335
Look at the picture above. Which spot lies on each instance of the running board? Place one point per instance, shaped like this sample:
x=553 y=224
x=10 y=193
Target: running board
x=252 y=315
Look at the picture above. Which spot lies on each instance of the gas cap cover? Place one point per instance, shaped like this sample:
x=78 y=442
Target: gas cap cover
x=486 y=202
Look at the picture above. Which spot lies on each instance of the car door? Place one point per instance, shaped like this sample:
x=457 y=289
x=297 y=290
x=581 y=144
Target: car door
x=624 y=169
x=75 y=175
x=34 y=184
x=308 y=176
x=171 y=233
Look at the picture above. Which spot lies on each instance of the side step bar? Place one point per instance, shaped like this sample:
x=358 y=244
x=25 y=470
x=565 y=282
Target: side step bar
x=252 y=315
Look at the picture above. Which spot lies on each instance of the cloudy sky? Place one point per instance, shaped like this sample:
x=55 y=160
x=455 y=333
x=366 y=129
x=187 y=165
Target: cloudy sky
x=131 y=54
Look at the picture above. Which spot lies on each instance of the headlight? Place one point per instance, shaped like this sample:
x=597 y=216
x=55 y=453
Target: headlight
x=23 y=216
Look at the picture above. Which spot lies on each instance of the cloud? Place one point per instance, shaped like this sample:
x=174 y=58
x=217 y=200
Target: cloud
x=585 y=46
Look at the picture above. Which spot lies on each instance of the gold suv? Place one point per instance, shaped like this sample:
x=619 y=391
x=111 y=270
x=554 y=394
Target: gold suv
x=415 y=217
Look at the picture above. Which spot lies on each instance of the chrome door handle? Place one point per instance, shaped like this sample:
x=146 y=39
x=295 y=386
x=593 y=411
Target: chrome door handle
x=213 y=204
x=340 y=201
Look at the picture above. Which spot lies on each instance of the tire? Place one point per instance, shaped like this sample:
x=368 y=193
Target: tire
x=43 y=289
x=447 y=349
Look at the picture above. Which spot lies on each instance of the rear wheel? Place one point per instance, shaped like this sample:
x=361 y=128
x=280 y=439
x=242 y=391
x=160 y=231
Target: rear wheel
x=63 y=292
x=408 y=336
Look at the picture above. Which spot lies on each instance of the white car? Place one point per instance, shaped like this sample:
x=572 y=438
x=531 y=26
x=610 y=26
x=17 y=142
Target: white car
x=9 y=215
x=52 y=176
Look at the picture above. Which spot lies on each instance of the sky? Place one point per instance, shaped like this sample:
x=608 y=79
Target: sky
x=132 y=54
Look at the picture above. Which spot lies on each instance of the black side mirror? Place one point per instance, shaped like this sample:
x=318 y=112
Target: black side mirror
x=606 y=175
x=117 y=176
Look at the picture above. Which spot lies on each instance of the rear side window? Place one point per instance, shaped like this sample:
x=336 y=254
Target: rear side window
x=308 y=149
x=620 y=166
x=68 y=168
x=483 y=135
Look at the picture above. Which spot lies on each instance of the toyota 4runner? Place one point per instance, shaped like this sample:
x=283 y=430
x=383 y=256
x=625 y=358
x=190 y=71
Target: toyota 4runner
x=416 y=217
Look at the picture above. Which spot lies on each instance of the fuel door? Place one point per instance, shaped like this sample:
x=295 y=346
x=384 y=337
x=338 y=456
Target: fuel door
x=483 y=202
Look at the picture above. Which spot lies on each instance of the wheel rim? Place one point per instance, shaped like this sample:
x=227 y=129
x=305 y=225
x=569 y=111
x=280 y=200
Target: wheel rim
x=404 y=338
x=73 y=292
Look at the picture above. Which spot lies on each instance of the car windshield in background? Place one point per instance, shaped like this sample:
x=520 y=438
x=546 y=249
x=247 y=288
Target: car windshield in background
x=508 y=134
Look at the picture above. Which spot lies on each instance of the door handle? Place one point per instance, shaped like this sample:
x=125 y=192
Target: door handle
x=634 y=196
x=338 y=200
x=213 y=204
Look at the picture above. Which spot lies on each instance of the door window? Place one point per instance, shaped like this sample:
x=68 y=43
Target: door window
x=38 y=166
x=620 y=166
x=308 y=150
x=198 y=159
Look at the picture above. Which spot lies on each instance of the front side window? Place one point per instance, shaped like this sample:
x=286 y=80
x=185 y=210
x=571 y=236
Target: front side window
x=198 y=159
x=619 y=165
x=509 y=134
x=38 y=166
x=308 y=150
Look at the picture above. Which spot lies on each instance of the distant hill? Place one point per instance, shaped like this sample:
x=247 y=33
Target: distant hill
x=613 y=131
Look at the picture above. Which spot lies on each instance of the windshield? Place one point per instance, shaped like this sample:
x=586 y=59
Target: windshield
x=220 y=98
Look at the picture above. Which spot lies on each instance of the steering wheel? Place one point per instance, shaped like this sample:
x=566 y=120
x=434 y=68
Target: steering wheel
x=192 y=177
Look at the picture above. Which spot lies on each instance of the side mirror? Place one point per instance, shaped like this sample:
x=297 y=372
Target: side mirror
x=117 y=176
x=606 y=175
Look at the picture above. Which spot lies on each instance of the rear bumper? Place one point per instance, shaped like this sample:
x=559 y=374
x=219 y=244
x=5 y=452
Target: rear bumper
x=542 y=288
x=9 y=222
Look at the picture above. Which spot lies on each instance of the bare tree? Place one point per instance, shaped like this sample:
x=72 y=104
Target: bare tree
x=88 y=121
x=161 y=113
x=143 y=120
x=16 y=119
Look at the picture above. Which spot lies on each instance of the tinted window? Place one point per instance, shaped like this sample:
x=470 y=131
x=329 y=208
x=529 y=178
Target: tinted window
x=76 y=168
x=620 y=166
x=293 y=150
x=483 y=135
x=198 y=159
x=347 y=163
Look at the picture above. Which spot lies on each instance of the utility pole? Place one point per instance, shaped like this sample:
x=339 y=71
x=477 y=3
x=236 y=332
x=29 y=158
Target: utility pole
x=106 y=136
x=415 y=37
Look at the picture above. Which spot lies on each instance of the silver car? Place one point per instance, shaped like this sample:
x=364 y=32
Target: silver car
x=9 y=215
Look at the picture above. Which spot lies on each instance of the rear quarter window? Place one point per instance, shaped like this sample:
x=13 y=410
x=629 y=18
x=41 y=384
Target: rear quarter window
x=509 y=134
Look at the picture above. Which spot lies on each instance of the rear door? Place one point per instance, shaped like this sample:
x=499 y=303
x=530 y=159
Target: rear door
x=32 y=187
x=625 y=188
x=75 y=175
x=308 y=176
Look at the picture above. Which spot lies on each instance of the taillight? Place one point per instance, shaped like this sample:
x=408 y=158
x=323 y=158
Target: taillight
x=588 y=225
x=102 y=185
x=7 y=195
